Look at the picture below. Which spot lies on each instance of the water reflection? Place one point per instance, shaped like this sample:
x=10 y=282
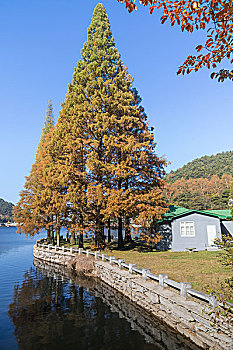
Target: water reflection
x=54 y=309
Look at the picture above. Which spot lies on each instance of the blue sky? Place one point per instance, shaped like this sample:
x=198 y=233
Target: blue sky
x=40 y=45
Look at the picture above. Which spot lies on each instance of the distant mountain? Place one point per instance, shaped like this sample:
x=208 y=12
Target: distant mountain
x=205 y=167
x=203 y=183
x=5 y=211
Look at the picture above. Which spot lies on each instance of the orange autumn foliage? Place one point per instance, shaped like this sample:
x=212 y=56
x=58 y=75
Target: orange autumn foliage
x=213 y=16
x=201 y=193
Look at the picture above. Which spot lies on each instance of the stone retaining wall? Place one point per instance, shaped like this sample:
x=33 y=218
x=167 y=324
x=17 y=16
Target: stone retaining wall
x=153 y=330
x=188 y=317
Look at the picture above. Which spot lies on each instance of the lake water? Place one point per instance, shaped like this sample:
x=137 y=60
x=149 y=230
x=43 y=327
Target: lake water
x=45 y=307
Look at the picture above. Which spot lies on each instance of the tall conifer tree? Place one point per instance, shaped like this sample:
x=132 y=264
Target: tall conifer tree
x=83 y=122
x=103 y=136
x=69 y=153
x=29 y=212
x=99 y=162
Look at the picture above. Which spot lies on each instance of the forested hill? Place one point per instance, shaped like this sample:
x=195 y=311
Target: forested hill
x=5 y=211
x=205 y=167
x=203 y=183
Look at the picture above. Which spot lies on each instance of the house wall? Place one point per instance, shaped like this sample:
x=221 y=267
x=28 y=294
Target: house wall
x=227 y=227
x=200 y=240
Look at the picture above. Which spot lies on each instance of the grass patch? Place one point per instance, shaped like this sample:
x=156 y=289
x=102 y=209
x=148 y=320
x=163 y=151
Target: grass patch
x=202 y=269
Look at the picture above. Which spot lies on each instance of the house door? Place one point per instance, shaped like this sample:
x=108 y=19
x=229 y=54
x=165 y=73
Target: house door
x=211 y=234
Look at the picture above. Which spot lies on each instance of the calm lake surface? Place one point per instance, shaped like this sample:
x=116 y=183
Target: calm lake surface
x=43 y=307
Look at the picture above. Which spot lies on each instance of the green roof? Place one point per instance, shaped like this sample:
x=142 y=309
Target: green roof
x=221 y=214
x=175 y=211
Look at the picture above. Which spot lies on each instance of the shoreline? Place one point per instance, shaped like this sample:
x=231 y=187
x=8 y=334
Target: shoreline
x=154 y=330
x=12 y=224
x=182 y=313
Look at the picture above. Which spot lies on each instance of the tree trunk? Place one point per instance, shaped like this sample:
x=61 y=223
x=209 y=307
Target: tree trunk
x=58 y=236
x=98 y=233
x=128 y=237
x=99 y=236
x=72 y=238
x=80 y=241
x=96 y=240
x=102 y=233
x=120 y=233
x=80 y=238
x=57 y=230
x=120 y=224
x=52 y=231
x=48 y=235
x=109 y=230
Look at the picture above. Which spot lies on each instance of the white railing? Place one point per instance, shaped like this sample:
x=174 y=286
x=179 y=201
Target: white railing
x=184 y=288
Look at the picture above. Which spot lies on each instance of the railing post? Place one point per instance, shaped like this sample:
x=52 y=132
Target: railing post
x=80 y=251
x=144 y=273
x=55 y=248
x=71 y=250
x=111 y=258
x=96 y=255
x=120 y=261
x=213 y=301
x=63 y=248
x=162 y=277
x=87 y=253
x=103 y=257
x=184 y=286
x=131 y=267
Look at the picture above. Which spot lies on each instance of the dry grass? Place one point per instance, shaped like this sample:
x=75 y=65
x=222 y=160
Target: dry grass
x=82 y=264
x=202 y=269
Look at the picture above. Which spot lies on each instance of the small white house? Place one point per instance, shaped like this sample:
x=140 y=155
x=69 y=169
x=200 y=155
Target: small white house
x=183 y=229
